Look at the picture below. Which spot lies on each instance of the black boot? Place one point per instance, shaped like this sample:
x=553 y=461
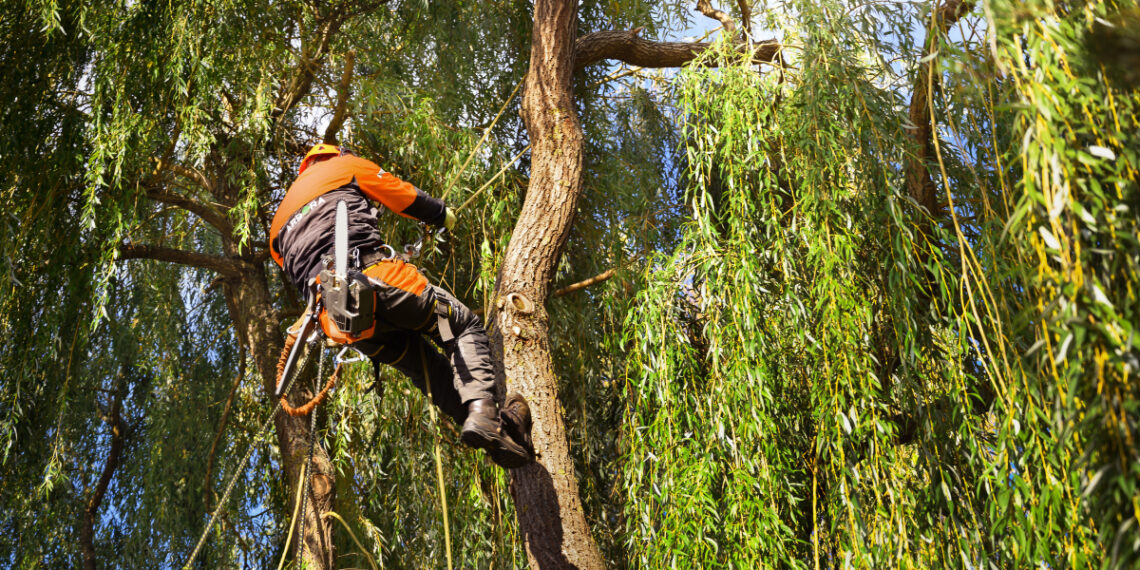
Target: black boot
x=483 y=430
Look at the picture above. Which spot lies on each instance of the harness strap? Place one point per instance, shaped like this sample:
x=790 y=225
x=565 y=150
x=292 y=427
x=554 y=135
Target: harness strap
x=371 y=256
x=442 y=312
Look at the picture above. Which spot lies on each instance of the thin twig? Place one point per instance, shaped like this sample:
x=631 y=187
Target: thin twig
x=486 y=133
x=493 y=178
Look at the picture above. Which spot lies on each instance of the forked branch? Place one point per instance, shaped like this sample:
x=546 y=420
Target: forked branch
x=705 y=7
x=208 y=213
x=628 y=46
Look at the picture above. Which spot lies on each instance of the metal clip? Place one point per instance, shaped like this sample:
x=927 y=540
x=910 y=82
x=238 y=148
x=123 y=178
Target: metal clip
x=340 y=359
x=427 y=234
x=412 y=250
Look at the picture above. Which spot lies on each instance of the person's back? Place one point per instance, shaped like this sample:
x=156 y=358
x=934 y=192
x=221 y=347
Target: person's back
x=408 y=308
x=302 y=229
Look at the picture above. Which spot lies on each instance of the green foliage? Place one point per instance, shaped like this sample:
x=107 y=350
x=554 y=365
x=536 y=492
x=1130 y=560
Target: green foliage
x=823 y=373
x=793 y=365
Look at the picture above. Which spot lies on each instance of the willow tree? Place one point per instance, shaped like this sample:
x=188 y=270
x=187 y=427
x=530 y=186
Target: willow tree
x=873 y=307
x=898 y=328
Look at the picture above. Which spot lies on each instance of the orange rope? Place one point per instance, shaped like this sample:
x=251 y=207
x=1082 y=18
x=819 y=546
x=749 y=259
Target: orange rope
x=318 y=399
x=290 y=340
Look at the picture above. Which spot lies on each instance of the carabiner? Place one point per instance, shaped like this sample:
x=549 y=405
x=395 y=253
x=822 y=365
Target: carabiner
x=340 y=359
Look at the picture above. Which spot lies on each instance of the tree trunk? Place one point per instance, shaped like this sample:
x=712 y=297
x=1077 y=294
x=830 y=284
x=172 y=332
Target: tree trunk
x=257 y=324
x=553 y=524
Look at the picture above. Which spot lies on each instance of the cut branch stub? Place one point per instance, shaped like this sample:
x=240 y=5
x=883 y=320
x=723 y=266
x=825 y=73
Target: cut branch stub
x=520 y=303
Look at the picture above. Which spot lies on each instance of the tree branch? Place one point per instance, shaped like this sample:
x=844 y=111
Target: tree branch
x=628 y=46
x=745 y=17
x=227 y=266
x=208 y=213
x=341 y=100
x=705 y=7
x=585 y=283
x=191 y=173
x=90 y=510
x=920 y=185
x=310 y=62
x=311 y=58
x=222 y=424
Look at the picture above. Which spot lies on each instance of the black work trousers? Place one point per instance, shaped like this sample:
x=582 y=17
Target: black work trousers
x=408 y=309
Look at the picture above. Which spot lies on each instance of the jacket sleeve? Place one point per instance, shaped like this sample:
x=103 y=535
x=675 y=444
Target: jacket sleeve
x=397 y=195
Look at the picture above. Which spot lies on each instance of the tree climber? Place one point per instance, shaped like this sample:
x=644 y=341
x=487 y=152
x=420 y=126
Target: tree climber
x=408 y=309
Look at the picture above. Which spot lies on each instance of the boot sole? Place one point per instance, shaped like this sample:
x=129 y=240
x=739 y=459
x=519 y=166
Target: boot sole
x=477 y=436
x=502 y=450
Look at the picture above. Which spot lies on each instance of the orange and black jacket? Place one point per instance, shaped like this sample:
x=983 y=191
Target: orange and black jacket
x=305 y=224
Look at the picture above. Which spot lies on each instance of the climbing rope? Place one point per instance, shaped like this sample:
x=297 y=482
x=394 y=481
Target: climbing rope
x=309 y=408
x=438 y=460
x=371 y=561
x=483 y=139
x=506 y=165
x=307 y=483
x=292 y=522
x=249 y=453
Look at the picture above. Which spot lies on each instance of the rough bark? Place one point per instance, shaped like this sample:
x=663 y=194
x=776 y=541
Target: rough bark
x=628 y=46
x=553 y=524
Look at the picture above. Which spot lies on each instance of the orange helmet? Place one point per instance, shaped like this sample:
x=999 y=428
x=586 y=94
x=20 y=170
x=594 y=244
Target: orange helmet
x=318 y=150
